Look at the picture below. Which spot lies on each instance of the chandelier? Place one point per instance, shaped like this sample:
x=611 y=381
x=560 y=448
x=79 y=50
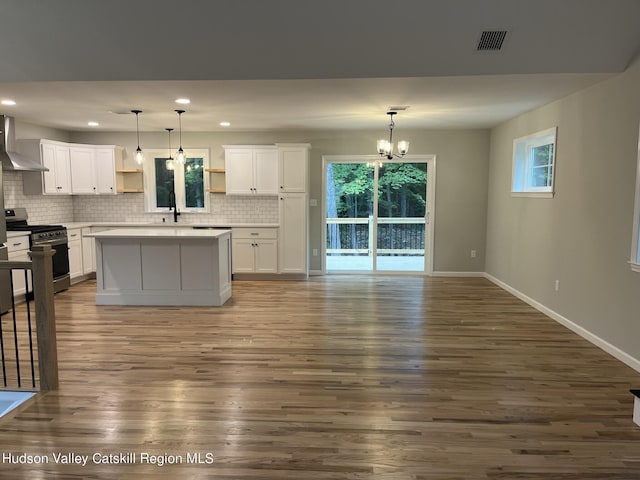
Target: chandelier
x=385 y=147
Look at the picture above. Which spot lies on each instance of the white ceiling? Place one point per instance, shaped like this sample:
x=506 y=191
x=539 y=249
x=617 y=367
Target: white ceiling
x=302 y=64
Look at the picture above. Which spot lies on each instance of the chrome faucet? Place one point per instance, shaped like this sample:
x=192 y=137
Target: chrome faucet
x=173 y=206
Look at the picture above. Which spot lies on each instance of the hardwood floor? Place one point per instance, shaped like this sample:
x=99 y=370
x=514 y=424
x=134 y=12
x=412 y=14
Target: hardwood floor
x=336 y=378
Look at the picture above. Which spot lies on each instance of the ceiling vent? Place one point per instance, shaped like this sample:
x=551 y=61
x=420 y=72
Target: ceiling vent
x=491 y=40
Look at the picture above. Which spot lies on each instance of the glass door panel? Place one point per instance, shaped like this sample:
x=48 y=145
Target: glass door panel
x=349 y=221
x=402 y=200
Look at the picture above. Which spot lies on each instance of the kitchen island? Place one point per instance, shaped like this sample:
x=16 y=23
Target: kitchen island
x=163 y=266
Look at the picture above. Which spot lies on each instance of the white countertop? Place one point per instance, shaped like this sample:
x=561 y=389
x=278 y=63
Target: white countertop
x=158 y=233
x=72 y=225
x=17 y=234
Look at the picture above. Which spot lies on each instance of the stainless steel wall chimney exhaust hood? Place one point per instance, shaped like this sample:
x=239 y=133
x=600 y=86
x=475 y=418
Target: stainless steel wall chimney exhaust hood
x=10 y=160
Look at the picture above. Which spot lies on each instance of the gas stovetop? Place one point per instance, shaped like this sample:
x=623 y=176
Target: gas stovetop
x=16 y=219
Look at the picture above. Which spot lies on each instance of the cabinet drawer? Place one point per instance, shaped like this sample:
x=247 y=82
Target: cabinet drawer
x=16 y=244
x=74 y=234
x=254 y=233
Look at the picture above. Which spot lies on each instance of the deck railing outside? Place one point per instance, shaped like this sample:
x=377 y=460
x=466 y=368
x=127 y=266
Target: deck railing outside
x=396 y=236
x=16 y=324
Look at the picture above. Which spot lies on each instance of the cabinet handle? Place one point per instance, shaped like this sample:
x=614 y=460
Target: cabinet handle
x=74 y=235
x=17 y=244
x=255 y=233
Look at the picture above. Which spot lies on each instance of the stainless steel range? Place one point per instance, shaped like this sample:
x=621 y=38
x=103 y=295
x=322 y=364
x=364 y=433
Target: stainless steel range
x=52 y=235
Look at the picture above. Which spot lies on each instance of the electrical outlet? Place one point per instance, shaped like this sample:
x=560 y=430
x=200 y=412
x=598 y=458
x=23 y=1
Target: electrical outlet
x=473 y=254
x=557 y=285
x=315 y=252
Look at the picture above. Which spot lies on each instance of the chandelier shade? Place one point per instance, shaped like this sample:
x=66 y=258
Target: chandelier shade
x=385 y=147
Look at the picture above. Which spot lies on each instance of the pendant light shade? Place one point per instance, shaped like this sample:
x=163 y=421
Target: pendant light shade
x=169 y=162
x=139 y=155
x=180 y=158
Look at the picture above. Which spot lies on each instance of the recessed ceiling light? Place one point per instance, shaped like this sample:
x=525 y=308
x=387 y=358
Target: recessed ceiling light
x=183 y=101
x=225 y=124
x=93 y=124
x=8 y=102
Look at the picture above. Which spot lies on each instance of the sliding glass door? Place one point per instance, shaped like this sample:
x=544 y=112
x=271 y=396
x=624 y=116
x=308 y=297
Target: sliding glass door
x=376 y=215
x=402 y=194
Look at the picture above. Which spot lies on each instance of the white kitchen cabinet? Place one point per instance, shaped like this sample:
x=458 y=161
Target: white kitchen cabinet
x=293 y=167
x=74 y=169
x=18 y=251
x=107 y=159
x=83 y=172
x=251 y=170
x=54 y=156
x=88 y=252
x=254 y=250
x=293 y=241
x=93 y=169
x=74 y=240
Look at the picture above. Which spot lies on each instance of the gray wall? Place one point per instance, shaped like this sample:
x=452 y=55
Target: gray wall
x=582 y=237
x=461 y=189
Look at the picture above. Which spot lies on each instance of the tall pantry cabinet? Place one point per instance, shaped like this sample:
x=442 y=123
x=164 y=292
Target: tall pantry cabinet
x=293 y=173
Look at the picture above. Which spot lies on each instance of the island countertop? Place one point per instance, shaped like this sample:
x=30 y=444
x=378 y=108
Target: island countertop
x=158 y=233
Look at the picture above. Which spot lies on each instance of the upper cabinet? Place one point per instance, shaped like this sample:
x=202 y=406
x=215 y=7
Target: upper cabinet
x=251 y=170
x=53 y=155
x=57 y=181
x=83 y=178
x=73 y=168
x=293 y=167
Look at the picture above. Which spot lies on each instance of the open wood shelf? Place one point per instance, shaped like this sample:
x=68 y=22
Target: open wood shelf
x=216 y=190
x=214 y=170
x=129 y=170
x=130 y=190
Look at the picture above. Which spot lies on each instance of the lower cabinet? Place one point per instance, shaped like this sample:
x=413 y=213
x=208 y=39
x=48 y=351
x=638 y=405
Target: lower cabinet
x=88 y=252
x=293 y=234
x=82 y=256
x=254 y=250
x=74 y=238
x=18 y=251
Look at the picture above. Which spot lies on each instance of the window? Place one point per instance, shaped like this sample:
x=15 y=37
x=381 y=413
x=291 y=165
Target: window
x=534 y=164
x=635 y=244
x=186 y=185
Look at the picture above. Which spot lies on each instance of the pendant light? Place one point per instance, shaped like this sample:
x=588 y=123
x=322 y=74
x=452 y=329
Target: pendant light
x=169 y=162
x=139 y=156
x=180 y=158
x=385 y=147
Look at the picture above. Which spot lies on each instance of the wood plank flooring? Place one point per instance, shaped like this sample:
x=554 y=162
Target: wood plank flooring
x=341 y=377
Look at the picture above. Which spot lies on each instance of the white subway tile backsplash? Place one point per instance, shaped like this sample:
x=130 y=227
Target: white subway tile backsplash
x=129 y=207
x=41 y=208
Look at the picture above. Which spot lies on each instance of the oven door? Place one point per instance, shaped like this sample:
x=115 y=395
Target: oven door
x=61 y=279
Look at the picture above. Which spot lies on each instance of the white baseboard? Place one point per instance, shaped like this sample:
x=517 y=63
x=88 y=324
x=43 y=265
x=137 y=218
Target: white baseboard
x=315 y=273
x=584 y=333
x=458 y=274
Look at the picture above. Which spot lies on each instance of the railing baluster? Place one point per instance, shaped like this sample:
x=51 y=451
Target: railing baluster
x=26 y=293
x=4 y=369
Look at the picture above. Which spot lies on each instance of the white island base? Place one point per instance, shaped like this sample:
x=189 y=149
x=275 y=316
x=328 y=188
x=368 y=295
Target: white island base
x=180 y=267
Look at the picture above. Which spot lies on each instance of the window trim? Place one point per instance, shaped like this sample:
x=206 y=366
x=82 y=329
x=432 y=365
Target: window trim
x=521 y=164
x=149 y=180
x=634 y=262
